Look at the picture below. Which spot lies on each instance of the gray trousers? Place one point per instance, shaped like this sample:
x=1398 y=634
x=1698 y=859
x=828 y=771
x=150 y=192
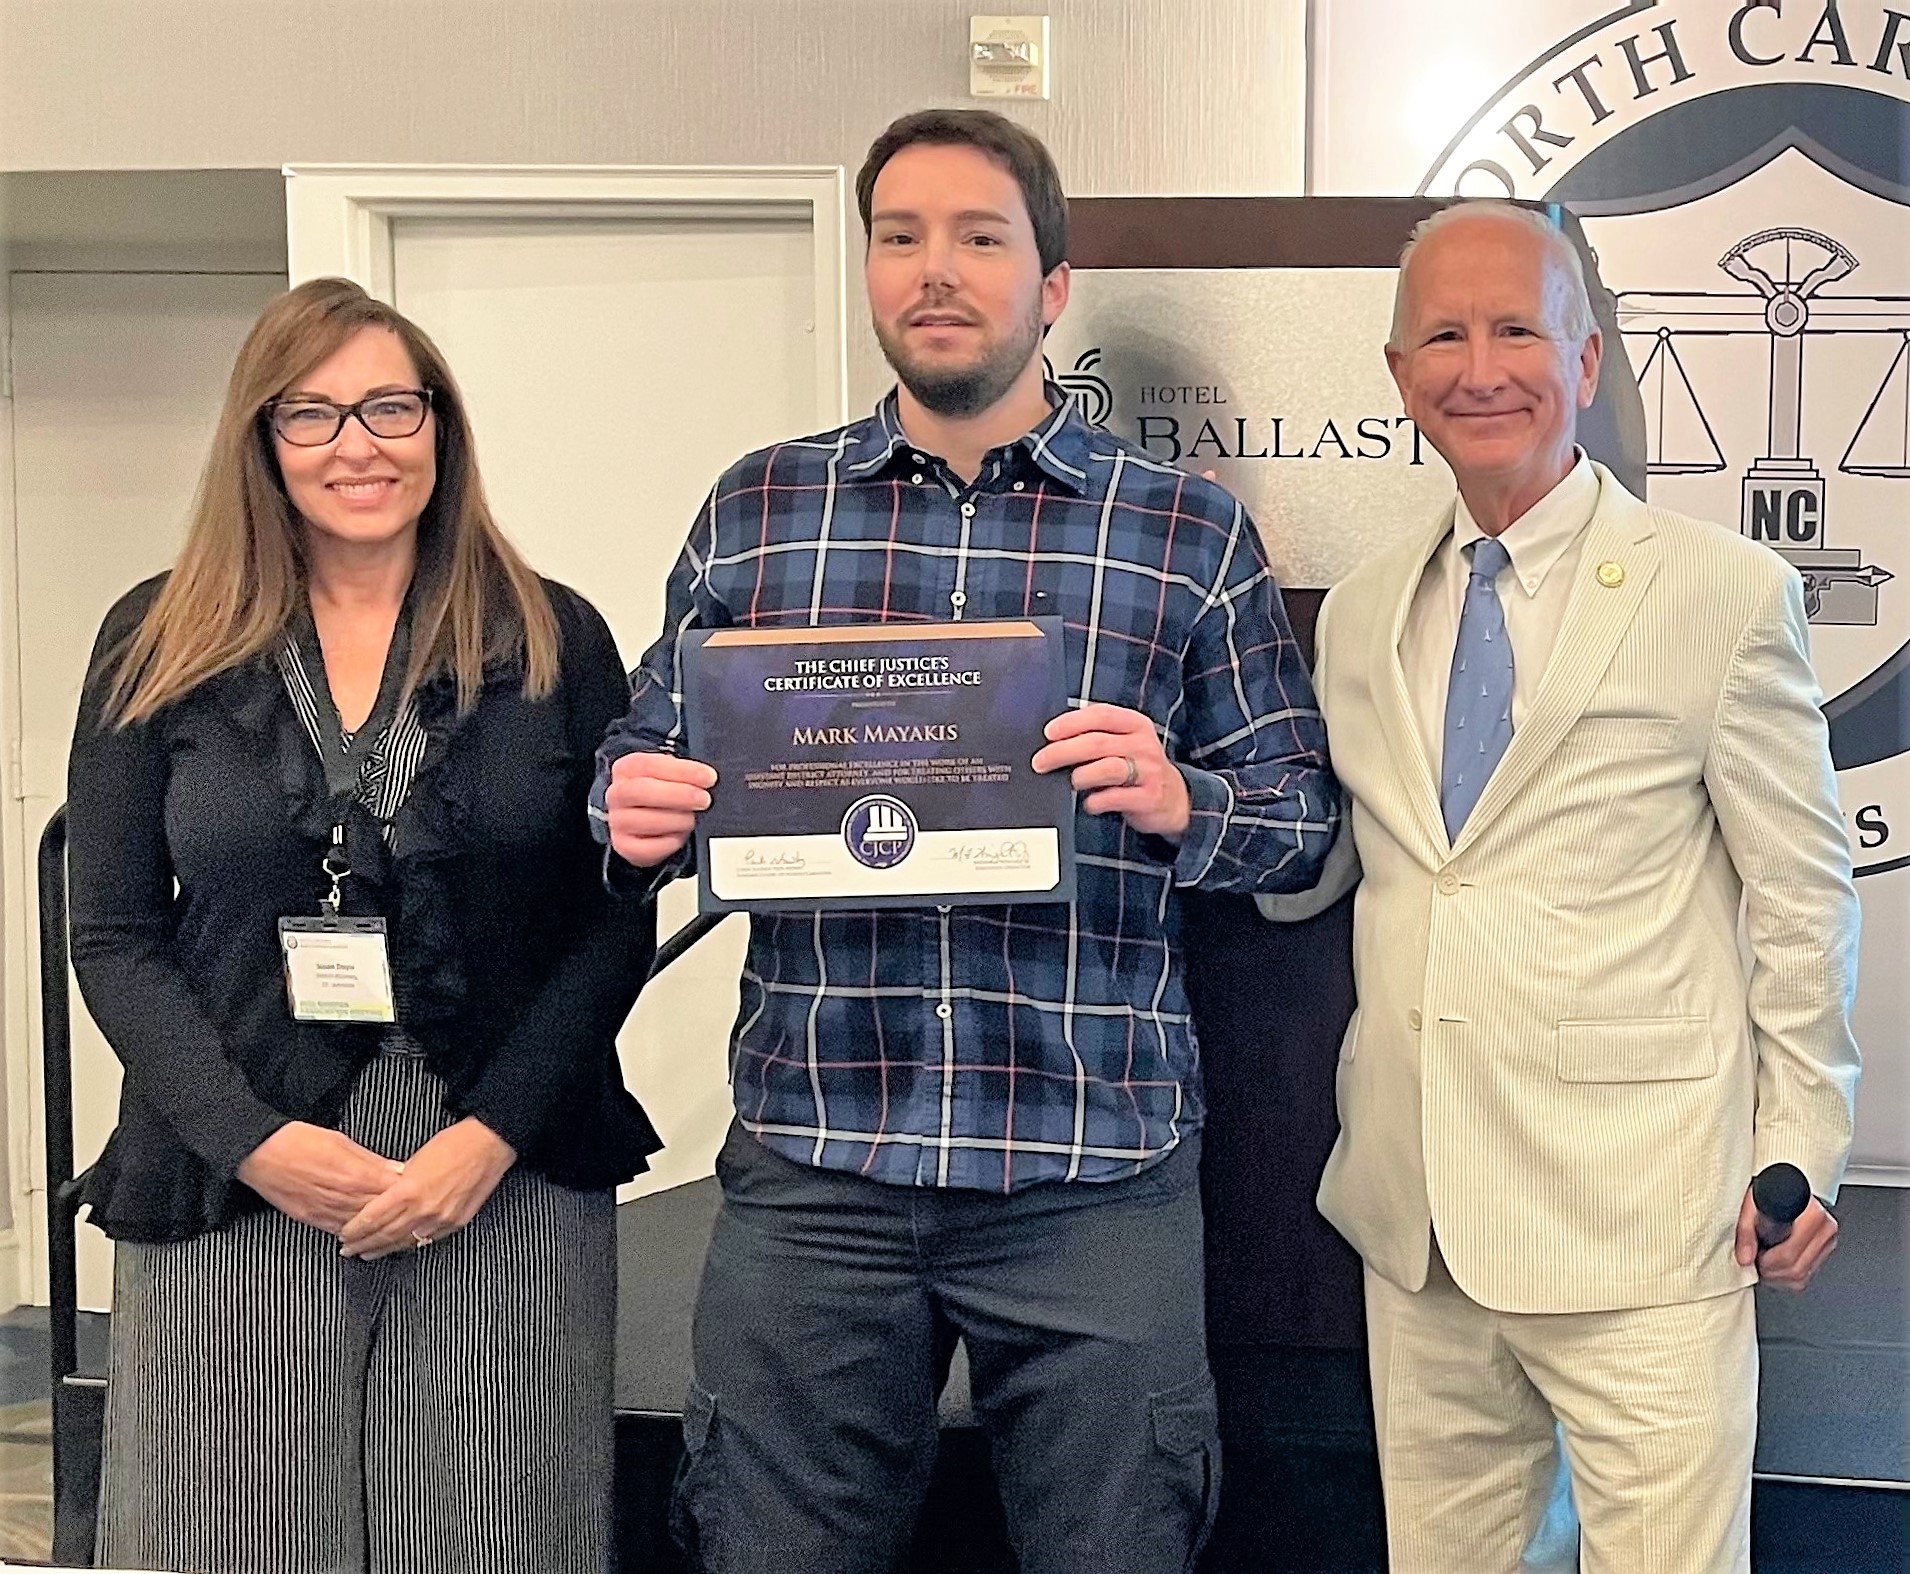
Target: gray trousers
x=273 y=1406
x=829 y=1312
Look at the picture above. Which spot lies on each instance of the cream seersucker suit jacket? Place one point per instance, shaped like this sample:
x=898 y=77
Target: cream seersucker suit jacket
x=1562 y=1060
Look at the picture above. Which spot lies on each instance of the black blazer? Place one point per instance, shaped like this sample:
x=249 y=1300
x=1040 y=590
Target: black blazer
x=192 y=832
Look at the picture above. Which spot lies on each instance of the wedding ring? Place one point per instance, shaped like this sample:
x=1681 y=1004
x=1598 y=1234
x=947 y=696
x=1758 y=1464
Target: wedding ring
x=1133 y=770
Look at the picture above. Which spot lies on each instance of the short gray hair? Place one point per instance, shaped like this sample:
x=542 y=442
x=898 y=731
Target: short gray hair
x=1579 y=323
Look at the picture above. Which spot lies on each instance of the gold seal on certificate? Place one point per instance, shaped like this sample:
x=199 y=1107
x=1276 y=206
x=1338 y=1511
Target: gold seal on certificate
x=879 y=765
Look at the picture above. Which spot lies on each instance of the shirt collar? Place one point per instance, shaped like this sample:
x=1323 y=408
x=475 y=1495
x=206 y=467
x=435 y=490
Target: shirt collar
x=1058 y=445
x=874 y=442
x=1538 y=538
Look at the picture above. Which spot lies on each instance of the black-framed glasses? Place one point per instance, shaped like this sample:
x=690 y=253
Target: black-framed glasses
x=312 y=423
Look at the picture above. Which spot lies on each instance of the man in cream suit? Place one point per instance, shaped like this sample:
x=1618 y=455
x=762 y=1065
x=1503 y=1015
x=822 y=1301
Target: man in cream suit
x=1576 y=730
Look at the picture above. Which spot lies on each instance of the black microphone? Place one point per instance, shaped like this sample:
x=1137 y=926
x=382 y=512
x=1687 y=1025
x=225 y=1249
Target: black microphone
x=1780 y=1193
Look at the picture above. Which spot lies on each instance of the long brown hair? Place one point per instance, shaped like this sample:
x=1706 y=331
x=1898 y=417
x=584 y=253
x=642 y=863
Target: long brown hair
x=240 y=577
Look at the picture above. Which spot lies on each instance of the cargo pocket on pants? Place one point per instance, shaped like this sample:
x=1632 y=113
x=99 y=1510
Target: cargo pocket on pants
x=695 y=1505
x=1179 y=1500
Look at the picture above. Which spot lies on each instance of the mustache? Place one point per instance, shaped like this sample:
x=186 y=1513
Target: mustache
x=945 y=305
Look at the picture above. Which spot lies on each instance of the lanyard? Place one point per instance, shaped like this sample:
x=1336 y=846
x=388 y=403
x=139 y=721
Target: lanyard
x=344 y=764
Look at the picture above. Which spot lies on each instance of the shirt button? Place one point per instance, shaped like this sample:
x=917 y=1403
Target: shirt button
x=958 y=599
x=968 y=510
x=916 y=478
x=1413 y=1019
x=945 y=1011
x=1448 y=883
x=918 y=459
x=1021 y=486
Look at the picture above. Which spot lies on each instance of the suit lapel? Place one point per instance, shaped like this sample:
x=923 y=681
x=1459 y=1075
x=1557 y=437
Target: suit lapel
x=1392 y=699
x=1596 y=619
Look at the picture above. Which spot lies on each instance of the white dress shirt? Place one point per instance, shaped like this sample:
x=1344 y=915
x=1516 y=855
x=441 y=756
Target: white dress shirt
x=1544 y=544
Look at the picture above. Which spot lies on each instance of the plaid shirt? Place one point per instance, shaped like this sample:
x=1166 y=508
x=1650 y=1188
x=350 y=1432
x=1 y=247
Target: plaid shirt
x=995 y=1047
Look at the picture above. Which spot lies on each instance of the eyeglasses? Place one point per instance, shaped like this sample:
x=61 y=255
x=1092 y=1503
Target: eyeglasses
x=312 y=423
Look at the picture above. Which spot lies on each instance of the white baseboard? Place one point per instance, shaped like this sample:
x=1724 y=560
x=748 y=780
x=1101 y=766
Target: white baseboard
x=11 y=1292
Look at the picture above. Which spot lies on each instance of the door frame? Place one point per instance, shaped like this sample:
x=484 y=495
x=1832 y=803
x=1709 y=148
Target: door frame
x=344 y=220
x=340 y=219
x=21 y=1273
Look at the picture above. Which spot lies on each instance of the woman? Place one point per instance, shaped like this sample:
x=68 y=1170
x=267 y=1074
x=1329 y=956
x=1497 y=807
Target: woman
x=328 y=773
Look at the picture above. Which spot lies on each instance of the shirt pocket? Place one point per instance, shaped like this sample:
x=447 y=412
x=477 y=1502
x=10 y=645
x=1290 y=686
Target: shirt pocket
x=1636 y=1049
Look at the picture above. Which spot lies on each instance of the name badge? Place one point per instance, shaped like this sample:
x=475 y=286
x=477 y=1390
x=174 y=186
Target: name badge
x=337 y=969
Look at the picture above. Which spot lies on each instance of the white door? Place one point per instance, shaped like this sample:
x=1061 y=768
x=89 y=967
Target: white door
x=118 y=379
x=620 y=337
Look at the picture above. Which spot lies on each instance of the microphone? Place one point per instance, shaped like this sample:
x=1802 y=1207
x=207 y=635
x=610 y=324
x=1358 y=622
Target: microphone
x=1780 y=1193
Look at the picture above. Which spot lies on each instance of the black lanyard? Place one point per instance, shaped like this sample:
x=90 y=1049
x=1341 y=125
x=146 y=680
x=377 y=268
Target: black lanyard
x=345 y=762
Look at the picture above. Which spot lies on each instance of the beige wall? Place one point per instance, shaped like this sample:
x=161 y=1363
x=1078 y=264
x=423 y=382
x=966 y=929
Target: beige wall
x=14 y=868
x=1149 y=96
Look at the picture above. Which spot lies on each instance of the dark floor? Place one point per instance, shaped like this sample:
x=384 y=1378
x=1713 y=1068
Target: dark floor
x=26 y=1427
x=1302 y=1489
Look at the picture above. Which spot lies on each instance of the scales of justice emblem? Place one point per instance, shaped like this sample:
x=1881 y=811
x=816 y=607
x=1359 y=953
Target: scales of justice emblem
x=1740 y=168
x=1773 y=363
x=1788 y=272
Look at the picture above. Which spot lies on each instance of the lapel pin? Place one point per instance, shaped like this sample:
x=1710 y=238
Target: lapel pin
x=1611 y=575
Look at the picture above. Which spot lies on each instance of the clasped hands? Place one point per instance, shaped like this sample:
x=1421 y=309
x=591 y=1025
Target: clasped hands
x=1113 y=755
x=374 y=1205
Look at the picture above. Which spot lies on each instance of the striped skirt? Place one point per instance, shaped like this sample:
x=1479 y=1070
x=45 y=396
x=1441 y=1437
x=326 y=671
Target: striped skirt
x=274 y=1407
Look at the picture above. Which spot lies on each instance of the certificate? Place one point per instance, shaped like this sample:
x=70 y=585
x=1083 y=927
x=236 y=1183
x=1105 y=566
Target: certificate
x=879 y=765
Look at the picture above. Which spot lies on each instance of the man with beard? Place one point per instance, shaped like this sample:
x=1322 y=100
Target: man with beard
x=982 y=1122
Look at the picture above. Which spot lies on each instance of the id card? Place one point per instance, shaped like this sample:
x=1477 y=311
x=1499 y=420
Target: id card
x=336 y=969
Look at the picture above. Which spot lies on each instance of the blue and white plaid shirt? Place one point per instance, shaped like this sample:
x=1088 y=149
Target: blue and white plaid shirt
x=996 y=1047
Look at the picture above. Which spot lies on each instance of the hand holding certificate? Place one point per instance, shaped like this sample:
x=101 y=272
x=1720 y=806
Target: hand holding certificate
x=879 y=765
x=1116 y=761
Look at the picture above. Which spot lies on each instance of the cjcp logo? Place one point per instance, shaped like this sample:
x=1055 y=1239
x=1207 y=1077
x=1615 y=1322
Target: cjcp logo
x=879 y=831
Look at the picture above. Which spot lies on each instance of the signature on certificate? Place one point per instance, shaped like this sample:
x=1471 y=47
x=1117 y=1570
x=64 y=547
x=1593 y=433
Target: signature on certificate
x=772 y=859
x=1006 y=852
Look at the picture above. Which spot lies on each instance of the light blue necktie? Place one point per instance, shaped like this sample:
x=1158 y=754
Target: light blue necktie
x=1479 y=698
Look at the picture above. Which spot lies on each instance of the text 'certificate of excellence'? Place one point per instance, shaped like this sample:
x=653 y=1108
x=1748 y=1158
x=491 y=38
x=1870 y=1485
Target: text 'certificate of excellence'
x=879 y=765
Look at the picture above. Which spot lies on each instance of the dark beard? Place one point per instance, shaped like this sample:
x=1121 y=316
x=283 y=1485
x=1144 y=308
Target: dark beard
x=966 y=390
x=958 y=393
